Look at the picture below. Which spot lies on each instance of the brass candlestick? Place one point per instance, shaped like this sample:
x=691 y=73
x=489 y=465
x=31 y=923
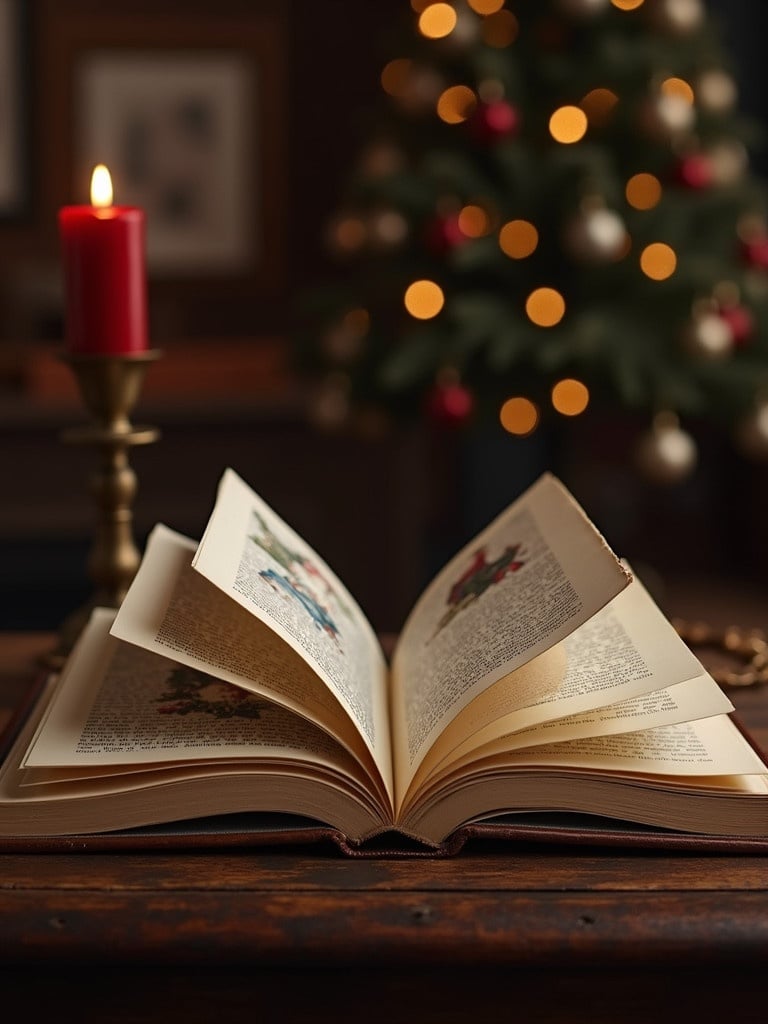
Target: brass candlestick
x=110 y=386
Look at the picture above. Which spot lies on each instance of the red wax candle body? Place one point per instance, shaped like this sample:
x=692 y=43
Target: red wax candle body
x=105 y=279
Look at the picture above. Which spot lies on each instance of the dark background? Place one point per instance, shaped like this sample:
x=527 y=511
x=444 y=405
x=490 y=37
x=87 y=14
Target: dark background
x=384 y=511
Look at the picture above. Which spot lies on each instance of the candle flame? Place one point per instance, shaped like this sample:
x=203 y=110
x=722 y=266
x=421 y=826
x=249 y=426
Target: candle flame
x=101 y=186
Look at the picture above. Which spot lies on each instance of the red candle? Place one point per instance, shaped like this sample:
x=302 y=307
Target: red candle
x=105 y=281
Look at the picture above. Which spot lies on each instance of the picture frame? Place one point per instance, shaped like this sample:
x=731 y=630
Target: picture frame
x=172 y=127
x=14 y=192
x=188 y=115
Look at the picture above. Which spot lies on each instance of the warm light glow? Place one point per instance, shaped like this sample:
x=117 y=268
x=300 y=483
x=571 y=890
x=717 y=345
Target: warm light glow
x=395 y=76
x=568 y=124
x=518 y=239
x=456 y=104
x=643 y=191
x=424 y=299
x=474 y=222
x=658 y=261
x=545 y=307
x=500 y=30
x=486 y=6
x=570 y=397
x=358 y=321
x=101 y=187
x=519 y=416
x=437 y=21
x=627 y=5
x=598 y=105
x=677 y=87
x=350 y=234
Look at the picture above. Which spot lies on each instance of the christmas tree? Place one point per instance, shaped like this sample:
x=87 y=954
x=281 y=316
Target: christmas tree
x=555 y=213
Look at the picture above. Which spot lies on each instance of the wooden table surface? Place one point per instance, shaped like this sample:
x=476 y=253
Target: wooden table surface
x=553 y=934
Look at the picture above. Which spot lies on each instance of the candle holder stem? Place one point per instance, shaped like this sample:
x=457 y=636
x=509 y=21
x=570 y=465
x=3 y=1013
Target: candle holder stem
x=110 y=386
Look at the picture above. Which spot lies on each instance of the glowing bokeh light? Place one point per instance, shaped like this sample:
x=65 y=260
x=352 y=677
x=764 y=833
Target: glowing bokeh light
x=358 y=321
x=437 y=21
x=570 y=397
x=518 y=239
x=500 y=30
x=456 y=104
x=643 y=191
x=677 y=87
x=474 y=222
x=598 y=105
x=395 y=76
x=627 y=5
x=350 y=234
x=658 y=261
x=568 y=125
x=486 y=6
x=519 y=416
x=424 y=299
x=545 y=307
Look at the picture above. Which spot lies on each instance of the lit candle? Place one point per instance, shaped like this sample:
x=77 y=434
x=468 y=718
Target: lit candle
x=103 y=248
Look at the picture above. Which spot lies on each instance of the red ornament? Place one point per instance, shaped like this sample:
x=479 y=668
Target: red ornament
x=755 y=252
x=450 y=405
x=443 y=235
x=740 y=321
x=494 y=121
x=695 y=171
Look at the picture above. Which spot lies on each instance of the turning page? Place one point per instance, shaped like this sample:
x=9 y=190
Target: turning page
x=539 y=571
x=258 y=561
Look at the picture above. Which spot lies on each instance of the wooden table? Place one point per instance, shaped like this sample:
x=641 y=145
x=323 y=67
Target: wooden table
x=526 y=933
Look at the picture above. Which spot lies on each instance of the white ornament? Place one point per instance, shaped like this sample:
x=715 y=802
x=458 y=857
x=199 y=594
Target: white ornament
x=678 y=16
x=596 y=235
x=666 y=454
x=716 y=91
x=708 y=336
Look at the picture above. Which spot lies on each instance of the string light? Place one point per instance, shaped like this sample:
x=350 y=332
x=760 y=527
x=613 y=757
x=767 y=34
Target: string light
x=395 y=76
x=677 y=87
x=627 y=5
x=485 y=6
x=474 y=222
x=500 y=30
x=437 y=21
x=598 y=105
x=424 y=299
x=643 y=191
x=518 y=239
x=545 y=307
x=658 y=261
x=519 y=416
x=456 y=104
x=570 y=397
x=568 y=124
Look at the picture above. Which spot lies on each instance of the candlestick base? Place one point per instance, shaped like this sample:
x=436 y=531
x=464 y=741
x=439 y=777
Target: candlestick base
x=109 y=386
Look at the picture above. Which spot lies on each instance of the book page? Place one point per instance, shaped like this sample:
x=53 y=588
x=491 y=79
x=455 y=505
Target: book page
x=615 y=662
x=173 y=611
x=117 y=704
x=259 y=562
x=533 y=576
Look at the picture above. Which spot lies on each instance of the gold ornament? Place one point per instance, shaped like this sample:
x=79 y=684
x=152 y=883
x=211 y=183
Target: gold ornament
x=666 y=454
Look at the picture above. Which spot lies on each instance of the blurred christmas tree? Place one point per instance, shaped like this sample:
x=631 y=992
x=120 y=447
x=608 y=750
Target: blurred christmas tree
x=555 y=211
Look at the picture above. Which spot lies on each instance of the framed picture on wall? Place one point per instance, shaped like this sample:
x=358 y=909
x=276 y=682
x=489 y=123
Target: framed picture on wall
x=13 y=169
x=178 y=132
x=187 y=110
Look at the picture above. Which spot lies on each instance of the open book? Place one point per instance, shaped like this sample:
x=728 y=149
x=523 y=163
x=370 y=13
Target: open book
x=535 y=674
